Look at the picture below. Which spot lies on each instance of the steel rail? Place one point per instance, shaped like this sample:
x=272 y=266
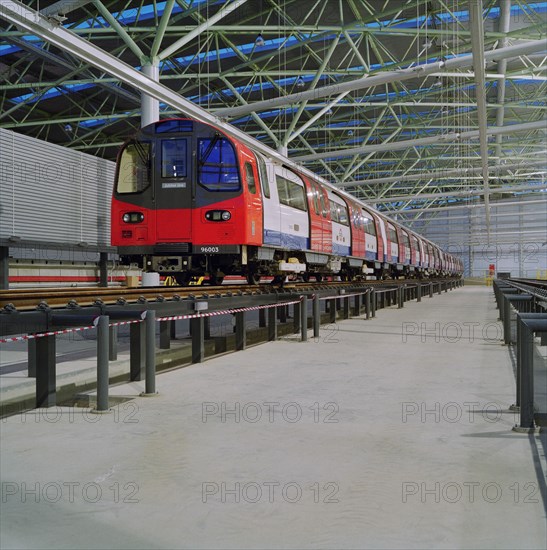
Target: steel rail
x=30 y=299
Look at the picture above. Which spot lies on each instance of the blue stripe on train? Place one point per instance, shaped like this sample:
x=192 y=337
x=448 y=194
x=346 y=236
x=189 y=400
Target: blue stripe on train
x=285 y=240
x=340 y=250
x=369 y=255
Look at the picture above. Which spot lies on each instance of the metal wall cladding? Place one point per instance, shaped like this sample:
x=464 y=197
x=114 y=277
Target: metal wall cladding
x=53 y=194
x=518 y=236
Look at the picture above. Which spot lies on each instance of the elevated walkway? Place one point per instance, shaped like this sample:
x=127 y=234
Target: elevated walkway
x=389 y=433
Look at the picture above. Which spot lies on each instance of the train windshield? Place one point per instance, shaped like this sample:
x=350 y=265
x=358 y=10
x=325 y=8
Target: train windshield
x=134 y=168
x=173 y=158
x=217 y=165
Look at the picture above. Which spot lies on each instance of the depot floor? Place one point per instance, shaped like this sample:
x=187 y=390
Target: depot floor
x=388 y=433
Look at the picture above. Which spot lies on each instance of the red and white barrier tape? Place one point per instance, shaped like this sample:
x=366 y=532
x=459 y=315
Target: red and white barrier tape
x=42 y=334
x=174 y=318
x=342 y=296
x=226 y=311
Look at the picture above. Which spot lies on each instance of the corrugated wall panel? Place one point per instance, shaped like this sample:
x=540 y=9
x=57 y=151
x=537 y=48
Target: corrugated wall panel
x=518 y=236
x=53 y=194
x=6 y=183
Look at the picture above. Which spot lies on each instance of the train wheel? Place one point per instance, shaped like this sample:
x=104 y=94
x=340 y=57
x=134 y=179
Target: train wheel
x=253 y=278
x=216 y=280
x=318 y=277
x=183 y=279
x=278 y=280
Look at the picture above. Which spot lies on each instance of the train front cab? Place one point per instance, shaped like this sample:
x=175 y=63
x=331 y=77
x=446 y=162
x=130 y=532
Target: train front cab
x=187 y=200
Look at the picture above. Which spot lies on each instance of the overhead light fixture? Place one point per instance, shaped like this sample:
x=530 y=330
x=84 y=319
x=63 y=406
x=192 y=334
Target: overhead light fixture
x=350 y=132
x=438 y=82
x=300 y=82
x=259 y=40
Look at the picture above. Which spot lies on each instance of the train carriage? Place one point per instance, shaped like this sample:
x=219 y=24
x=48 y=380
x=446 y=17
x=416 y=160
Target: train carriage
x=189 y=200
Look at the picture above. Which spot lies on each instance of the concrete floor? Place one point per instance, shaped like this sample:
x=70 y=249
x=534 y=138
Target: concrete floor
x=382 y=434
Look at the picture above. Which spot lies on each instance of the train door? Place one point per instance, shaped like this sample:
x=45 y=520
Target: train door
x=393 y=243
x=405 y=246
x=272 y=218
x=327 y=220
x=384 y=254
x=414 y=251
x=357 y=230
x=293 y=207
x=372 y=243
x=341 y=232
x=173 y=188
x=253 y=204
x=316 y=216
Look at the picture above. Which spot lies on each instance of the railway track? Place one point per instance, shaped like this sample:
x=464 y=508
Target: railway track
x=30 y=299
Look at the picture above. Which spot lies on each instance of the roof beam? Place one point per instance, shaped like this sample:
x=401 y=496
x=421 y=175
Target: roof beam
x=441 y=139
x=220 y=14
x=384 y=78
x=36 y=24
x=120 y=31
x=449 y=194
x=477 y=48
x=63 y=7
x=439 y=174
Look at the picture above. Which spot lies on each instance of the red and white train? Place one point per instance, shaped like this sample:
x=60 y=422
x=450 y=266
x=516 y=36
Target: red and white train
x=190 y=200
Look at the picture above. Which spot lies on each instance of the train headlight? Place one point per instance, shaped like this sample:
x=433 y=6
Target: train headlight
x=218 y=215
x=133 y=217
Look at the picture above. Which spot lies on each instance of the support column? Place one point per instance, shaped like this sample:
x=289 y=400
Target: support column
x=241 y=335
x=526 y=377
x=150 y=363
x=103 y=269
x=272 y=324
x=103 y=352
x=304 y=319
x=357 y=305
x=136 y=351
x=150 y=106
x=282 y=314
x=316 y=316
x=506 y=321
x=297 y=308
x=332 y=310
x=165 y=335
x=198 y=339
x=46 y=380
x=4 y=267
x=113 y=344
x=31 y=354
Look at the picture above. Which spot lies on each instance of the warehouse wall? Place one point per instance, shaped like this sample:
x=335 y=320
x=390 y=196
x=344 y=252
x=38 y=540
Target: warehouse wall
x=518 y=235
x=53 y=194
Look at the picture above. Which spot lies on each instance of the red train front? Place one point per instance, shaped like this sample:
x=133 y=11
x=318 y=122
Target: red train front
x=186 y=201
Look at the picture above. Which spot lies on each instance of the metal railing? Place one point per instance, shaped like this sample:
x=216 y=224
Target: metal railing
x=327 y=306
x=523 y=313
